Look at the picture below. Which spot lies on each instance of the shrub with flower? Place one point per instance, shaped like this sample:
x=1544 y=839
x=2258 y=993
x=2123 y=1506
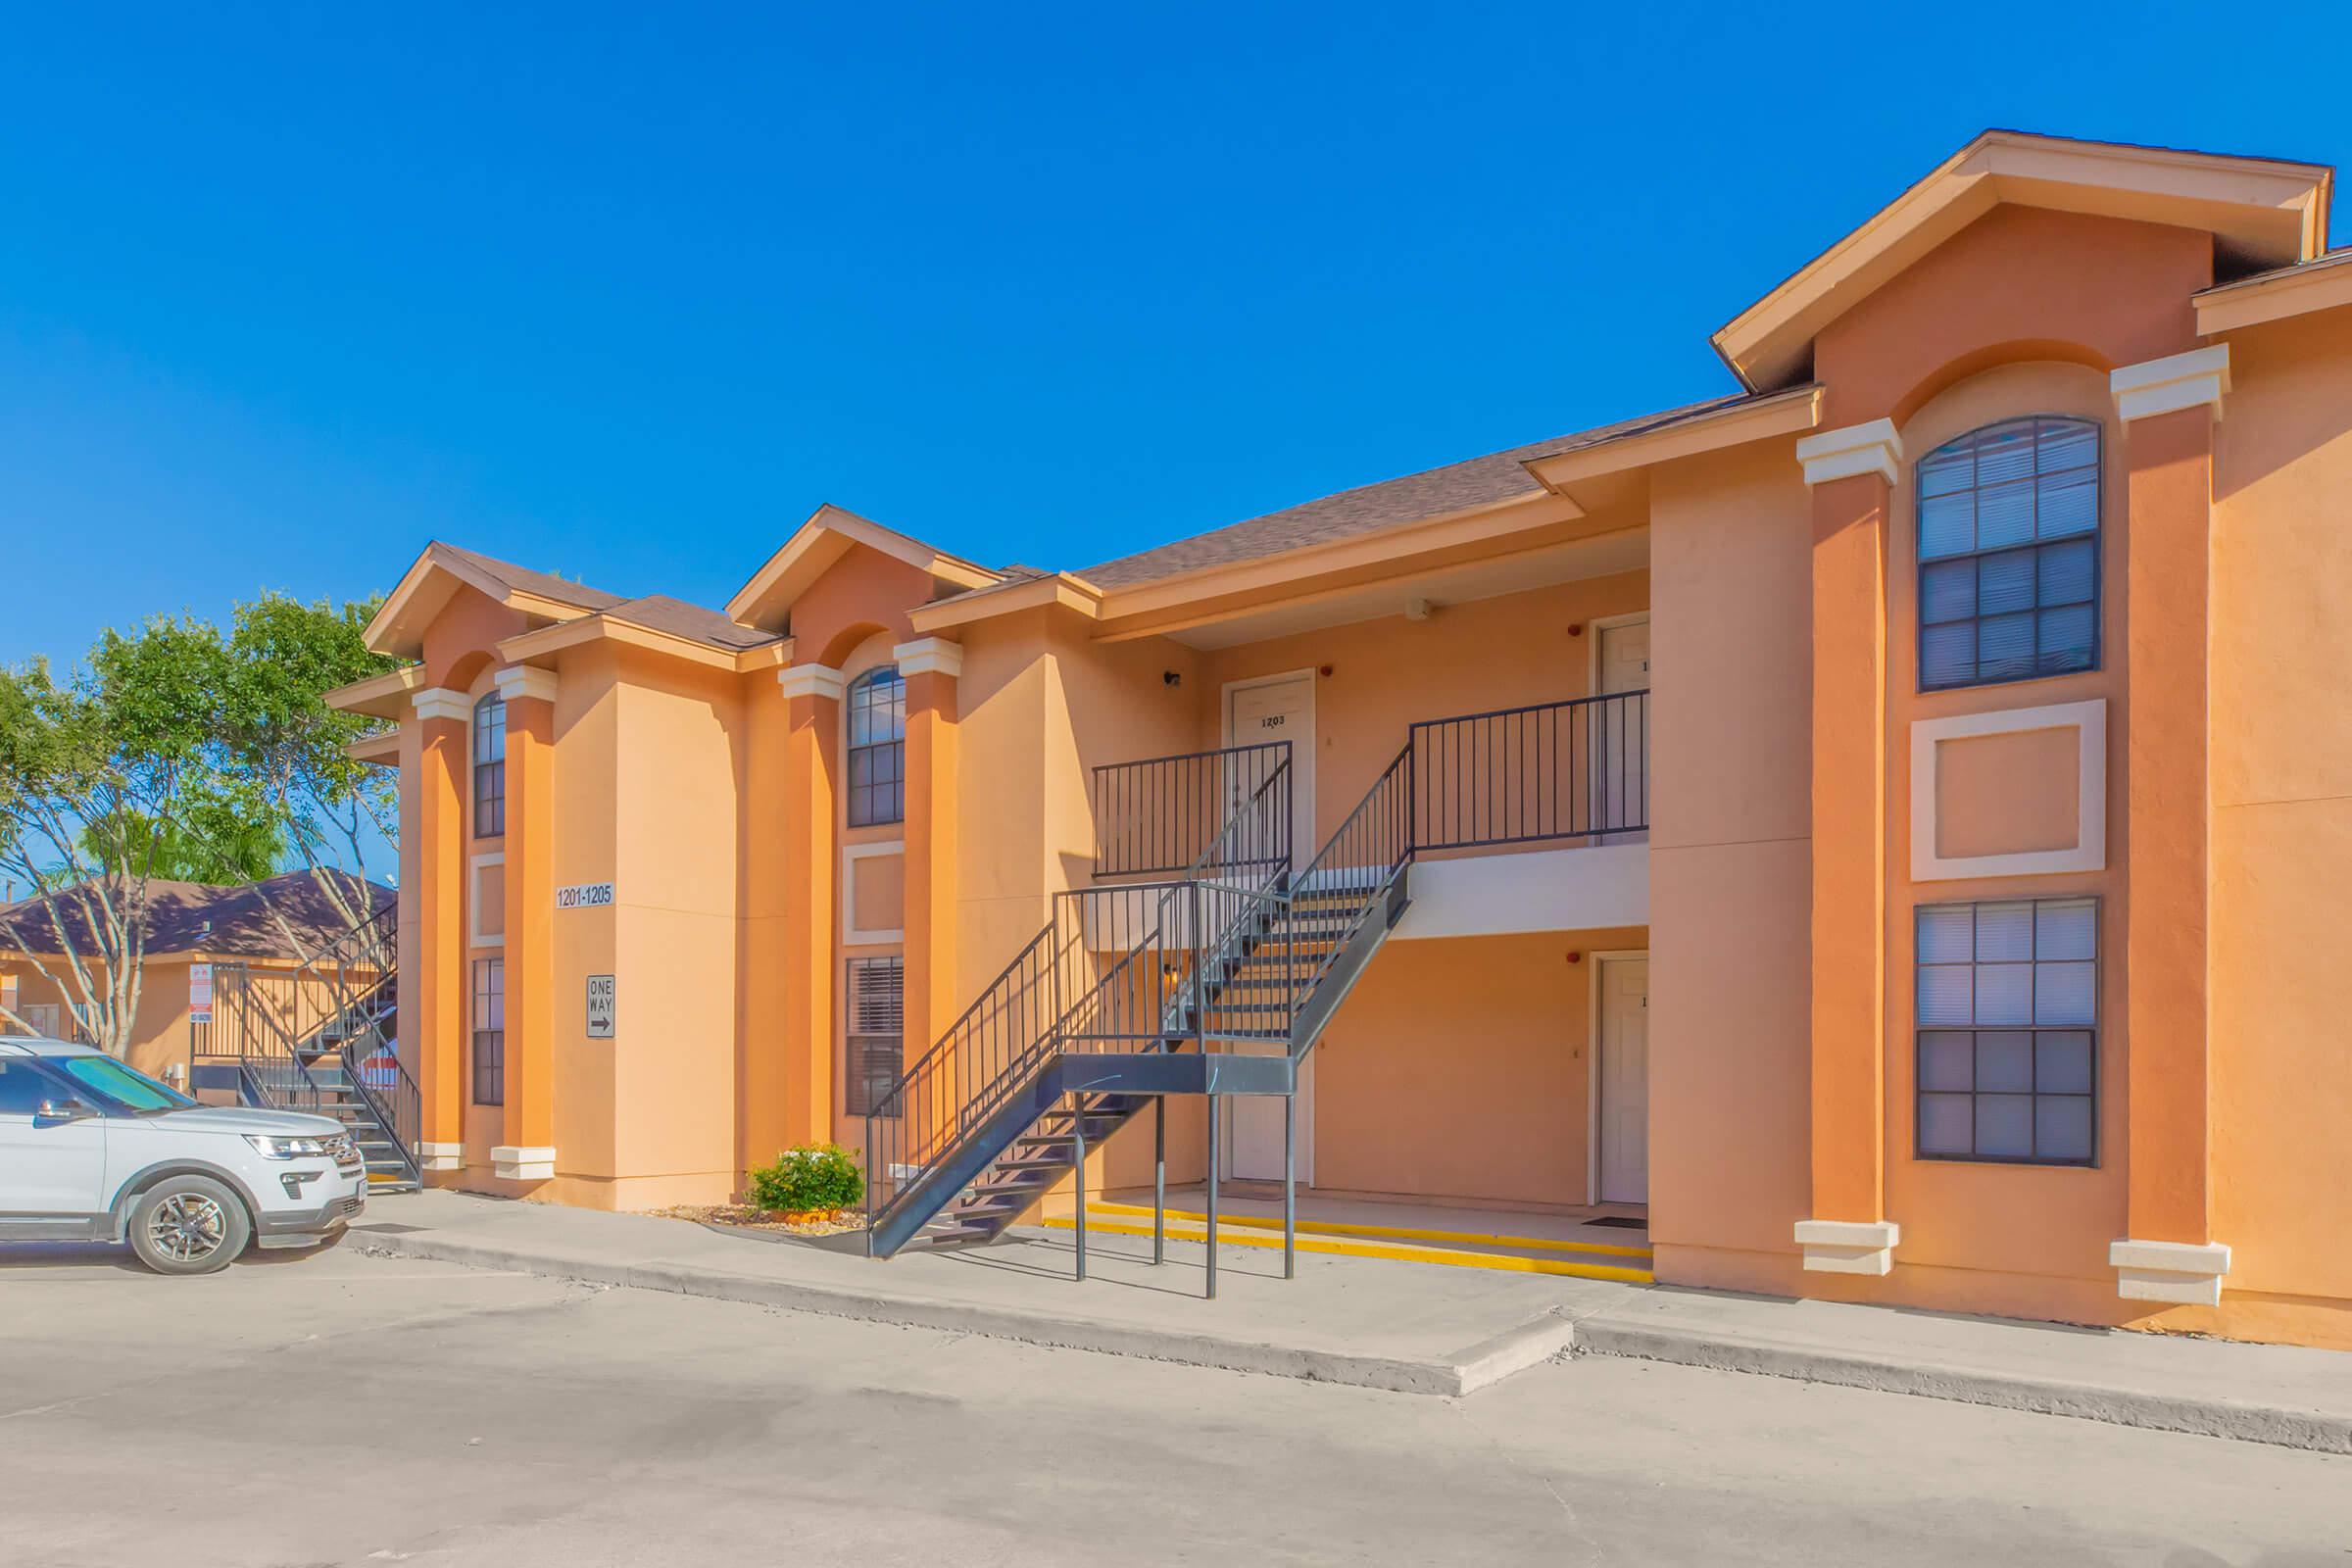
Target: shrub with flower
x=810 y=1179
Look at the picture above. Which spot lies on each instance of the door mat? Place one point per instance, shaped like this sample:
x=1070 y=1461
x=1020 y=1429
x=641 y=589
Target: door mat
x=1619 y=1222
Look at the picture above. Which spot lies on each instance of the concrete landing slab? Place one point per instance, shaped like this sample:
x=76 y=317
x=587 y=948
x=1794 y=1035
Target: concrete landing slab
x=1404 y=1326
x=1343 y=1320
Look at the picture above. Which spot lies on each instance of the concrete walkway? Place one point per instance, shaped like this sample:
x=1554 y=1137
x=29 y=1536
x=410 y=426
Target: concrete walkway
x=1406 y=1327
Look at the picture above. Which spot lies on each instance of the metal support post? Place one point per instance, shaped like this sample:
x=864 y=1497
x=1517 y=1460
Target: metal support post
x=1078 y=1131
x=1159 y=1179
x=1289 y=1186
x=1212 y=1194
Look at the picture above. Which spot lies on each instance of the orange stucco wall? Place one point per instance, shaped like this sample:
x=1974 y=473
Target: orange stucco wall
x=1462 y=1068
x=2282 y=782
x=1730 y=863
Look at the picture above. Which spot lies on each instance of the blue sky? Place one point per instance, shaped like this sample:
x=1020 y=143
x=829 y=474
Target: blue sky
x=626 y=293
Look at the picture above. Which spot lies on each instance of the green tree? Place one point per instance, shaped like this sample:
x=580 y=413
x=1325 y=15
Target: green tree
x=287 y=750
x=218 y=840
x=93 y=769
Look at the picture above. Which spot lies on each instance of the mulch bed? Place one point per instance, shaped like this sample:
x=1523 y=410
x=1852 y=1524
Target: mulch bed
x=770 y=1222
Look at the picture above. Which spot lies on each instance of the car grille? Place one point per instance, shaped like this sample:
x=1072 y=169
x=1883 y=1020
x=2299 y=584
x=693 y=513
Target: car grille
x=343 y=1150
x=345 y=1208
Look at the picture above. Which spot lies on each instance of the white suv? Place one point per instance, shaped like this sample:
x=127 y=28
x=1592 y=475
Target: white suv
x=91 y=1149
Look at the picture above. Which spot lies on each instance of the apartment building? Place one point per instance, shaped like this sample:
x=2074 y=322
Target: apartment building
x=1881 y=826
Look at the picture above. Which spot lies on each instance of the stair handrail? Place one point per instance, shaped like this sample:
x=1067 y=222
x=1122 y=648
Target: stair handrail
x=887 y=1122
x=1269 y=800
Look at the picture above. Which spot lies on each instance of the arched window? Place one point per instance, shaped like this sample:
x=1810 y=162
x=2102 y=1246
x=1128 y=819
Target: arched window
x=490 y=766
x=878 y=748
x=2009 y=553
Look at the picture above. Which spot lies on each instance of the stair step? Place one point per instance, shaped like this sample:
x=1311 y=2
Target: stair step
x=1036 y=1162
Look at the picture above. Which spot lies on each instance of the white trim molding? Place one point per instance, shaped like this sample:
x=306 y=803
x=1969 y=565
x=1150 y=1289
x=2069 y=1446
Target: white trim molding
x=2185 y=1272
x=2167 y=385
x=475 y=936
x=515 y=1163
x=1872 y=448
x=2089 y=853
x=1848 y=1246
x=929 y=656
x=439 y=702
x=441 y=1157
x=526 y=681
x=812 y=680
x=852 y=935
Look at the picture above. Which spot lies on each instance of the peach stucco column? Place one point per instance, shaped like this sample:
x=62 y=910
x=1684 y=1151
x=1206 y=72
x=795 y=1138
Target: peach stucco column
x=526 y=1150
x=2167 y=407
x=799 y=1104
x=931 y=667
x=1851 y=473
x=437 y=862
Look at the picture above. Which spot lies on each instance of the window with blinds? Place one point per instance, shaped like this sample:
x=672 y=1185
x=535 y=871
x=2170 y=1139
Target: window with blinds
x=2009 y=553
x=876 y=1032
x=2008 y=997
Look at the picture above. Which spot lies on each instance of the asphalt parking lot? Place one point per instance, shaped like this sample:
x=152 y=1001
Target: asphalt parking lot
x=347 y=1409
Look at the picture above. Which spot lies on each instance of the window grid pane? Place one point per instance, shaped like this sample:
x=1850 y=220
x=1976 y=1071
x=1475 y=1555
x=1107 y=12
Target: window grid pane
x=2008 y=554
x=878 y=748
x=490 y=766
x=489 y=1031
x=2006 y=1052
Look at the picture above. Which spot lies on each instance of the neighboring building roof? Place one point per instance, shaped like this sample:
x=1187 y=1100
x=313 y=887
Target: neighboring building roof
x=193 y=917
x=1490 y=480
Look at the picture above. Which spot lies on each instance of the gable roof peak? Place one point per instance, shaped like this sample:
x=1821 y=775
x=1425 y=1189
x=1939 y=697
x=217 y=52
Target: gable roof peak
x=2266 y=212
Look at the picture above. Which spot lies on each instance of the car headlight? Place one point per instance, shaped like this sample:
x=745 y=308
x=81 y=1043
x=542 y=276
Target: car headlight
x=272 y=1148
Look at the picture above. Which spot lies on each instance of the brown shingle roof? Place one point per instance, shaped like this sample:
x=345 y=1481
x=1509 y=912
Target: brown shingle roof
x=661 y=613
x=240 y=919
x=1415 y=498
x=522 y=579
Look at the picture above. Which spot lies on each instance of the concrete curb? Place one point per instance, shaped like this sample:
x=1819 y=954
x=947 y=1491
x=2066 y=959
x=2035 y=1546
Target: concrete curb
x=2244 y=1422
x=1465 y=1371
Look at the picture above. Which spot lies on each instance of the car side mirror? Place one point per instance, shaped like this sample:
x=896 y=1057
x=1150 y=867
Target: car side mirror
x=54 y=1112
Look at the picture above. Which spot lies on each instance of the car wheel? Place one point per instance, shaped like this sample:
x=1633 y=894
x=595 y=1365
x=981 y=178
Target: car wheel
x=188 y=1225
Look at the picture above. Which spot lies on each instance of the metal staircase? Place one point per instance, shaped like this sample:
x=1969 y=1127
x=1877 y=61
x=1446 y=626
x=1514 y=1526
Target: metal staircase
x=1139 y=990
x=323 y=1038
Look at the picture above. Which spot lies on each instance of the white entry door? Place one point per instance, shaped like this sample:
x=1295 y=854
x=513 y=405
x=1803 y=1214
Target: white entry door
x=1618 y=736
x=1253 y=1150
x=1282 y=709
x=1623 y=1115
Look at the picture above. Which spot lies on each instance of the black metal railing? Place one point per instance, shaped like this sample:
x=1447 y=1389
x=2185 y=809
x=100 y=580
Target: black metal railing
x=1164 y=813
x=1577 y=769
x=964 y=1077
x=1237 y=948
x=320 y=1033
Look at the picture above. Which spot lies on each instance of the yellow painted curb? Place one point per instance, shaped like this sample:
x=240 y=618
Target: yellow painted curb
x=1397 y=1232
x=1394 y=1251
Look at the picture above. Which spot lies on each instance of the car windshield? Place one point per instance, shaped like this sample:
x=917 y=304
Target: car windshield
x=121 y=1087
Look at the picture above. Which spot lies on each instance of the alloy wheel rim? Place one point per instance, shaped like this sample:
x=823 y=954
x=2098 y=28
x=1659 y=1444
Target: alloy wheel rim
x=187 y=1227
